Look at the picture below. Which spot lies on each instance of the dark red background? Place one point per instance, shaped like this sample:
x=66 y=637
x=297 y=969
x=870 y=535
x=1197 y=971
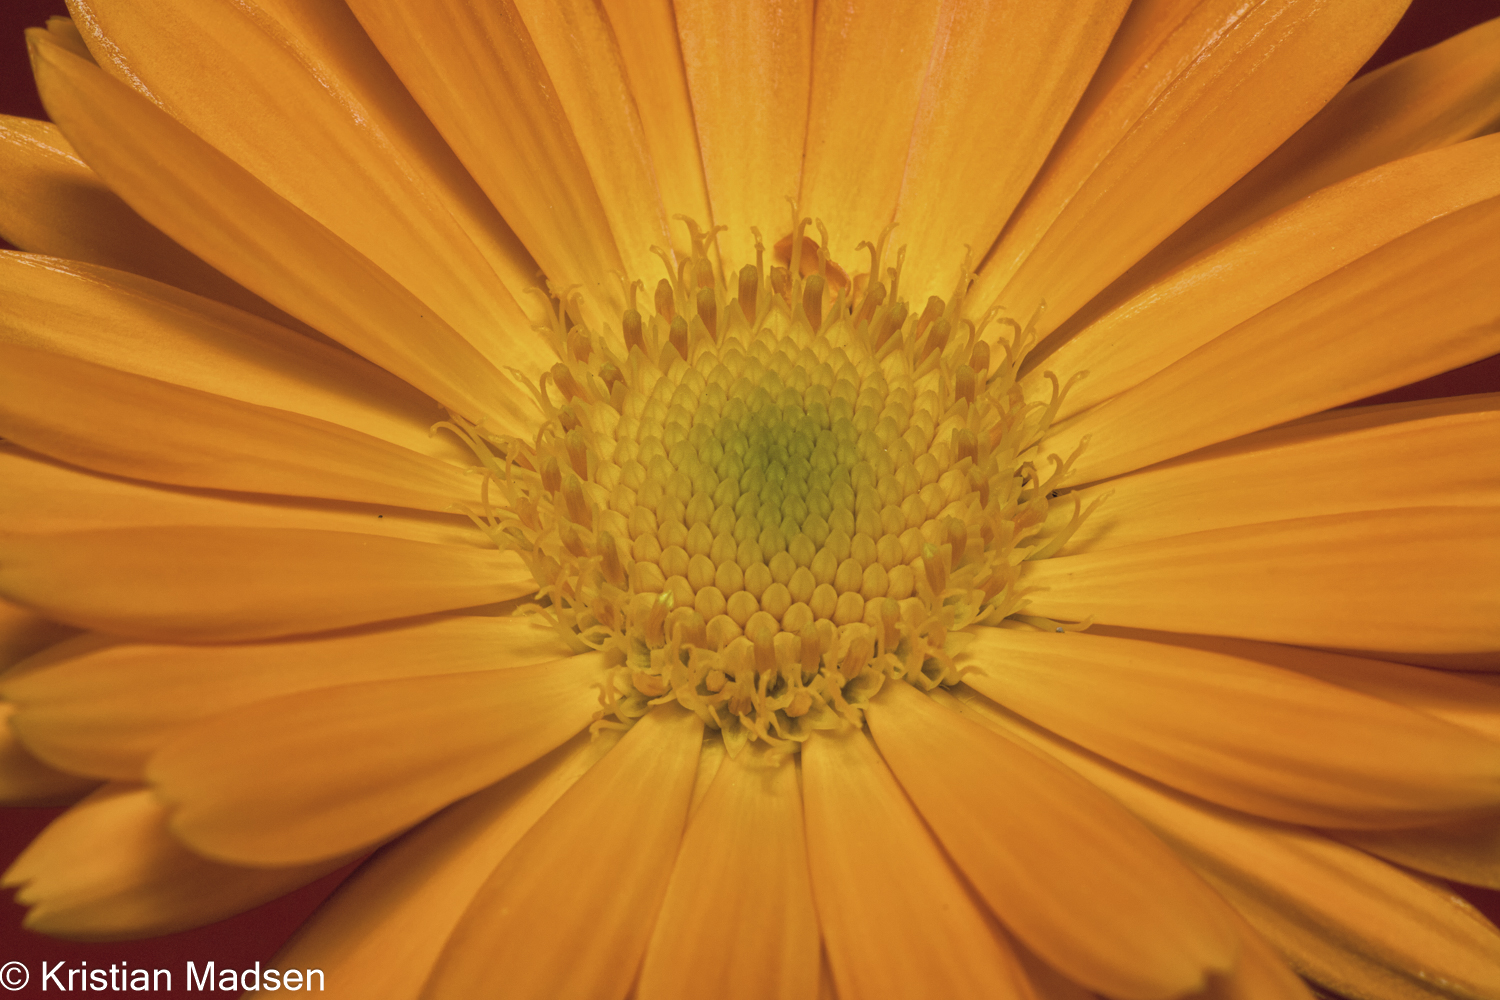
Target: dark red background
x=255 y=936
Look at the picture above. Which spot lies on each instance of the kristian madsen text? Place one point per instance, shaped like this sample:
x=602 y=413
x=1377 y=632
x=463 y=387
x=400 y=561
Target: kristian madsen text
x=119 y=977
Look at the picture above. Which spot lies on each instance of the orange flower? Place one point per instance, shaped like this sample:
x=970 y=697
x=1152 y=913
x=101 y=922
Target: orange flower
x=634 y=462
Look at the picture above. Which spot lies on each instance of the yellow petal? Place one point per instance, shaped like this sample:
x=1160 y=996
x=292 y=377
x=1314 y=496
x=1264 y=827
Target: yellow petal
x=1188 y=98
x=1249 y=735
x=1264 y=264
x=323 y=772
x=1351 y=923
x=1334 y=466
x=975 y=147
x=23 y=632
x=1413 y=578
x=109 y=869
x=53 y=204
x=478 y=76
x=103 y=708
x=743 y=854
x=1342 y=338
x=1441 y=95
x=1466 y=850
x=1067 y=870
x=220 y=212
x=135 y=325
x=381 y=931
x=569 y=911
x=26 y=781
x=115 y=422
x=749 y=67
x=296 y=94
x=897 y=919
x=192 y=584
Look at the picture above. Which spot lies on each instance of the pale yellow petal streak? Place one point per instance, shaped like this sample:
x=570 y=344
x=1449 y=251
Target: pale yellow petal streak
x=104 y=708
x=1350 y=922
x=477 y=74
x=897 y=919
x=295 y=93
x=744 y=854
x=1418 y=579
x=220 y=212
x=1249 y=735
x=1059 y=863
x=1190 y=96
x=324 y=772
x=1335 y=466
x=206 y=584
x=569 y=911
x=1419 y=305
x=109 y=869
x=749 y=63
x=382 y=930
x=1002 y=80
x=1259 y=267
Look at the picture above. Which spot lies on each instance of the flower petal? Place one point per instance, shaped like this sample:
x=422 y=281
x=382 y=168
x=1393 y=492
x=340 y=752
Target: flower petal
x=570 y=909
x=382 y=930
x=1413 y=578
x=296 y=94
x=1335 y=466
x=323 y=772
x=744 y=853
x=1264 y=264
x=478 y=76
x=975 y=147
x=53 y=204
x=1466 y=850
x=1351 y=923
x=897 y=919
x=1189 y=97
x=135 y=325
x=749 y=70
x=220 y=212
x=1339 y=339
x=26 y=781
x=108 y=869
x=1067 y=870
x=112 y=421
x=103 y=708
x=24 y=632
x=1249 y=735
x=200 y=584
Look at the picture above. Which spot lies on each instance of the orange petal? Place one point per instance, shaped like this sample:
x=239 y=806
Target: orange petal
x=749 y=70
x=1342 y=338
x=108 y=869
x=24 y=632
x=975 y=147
x=103 y=707
x=1249 y=735
x=1264 y=264
x=296 y=94
x=897 y=919
x=1351 y=923
x=479 y=77
x=53 y=204
x=324 y=772
x=1068 y=871
x=1414 y=578
x=1466 y=850
x=1334 y=466
x=193 y=584
x=26 y=781
x=743 y=853
x=381 y=931
x=569 y=911
x=220 y=212
x=114 y=422
x=1188 y=98
x=135 y=325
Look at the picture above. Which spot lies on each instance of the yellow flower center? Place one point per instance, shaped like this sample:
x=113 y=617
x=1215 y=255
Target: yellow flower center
x=766 y=505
